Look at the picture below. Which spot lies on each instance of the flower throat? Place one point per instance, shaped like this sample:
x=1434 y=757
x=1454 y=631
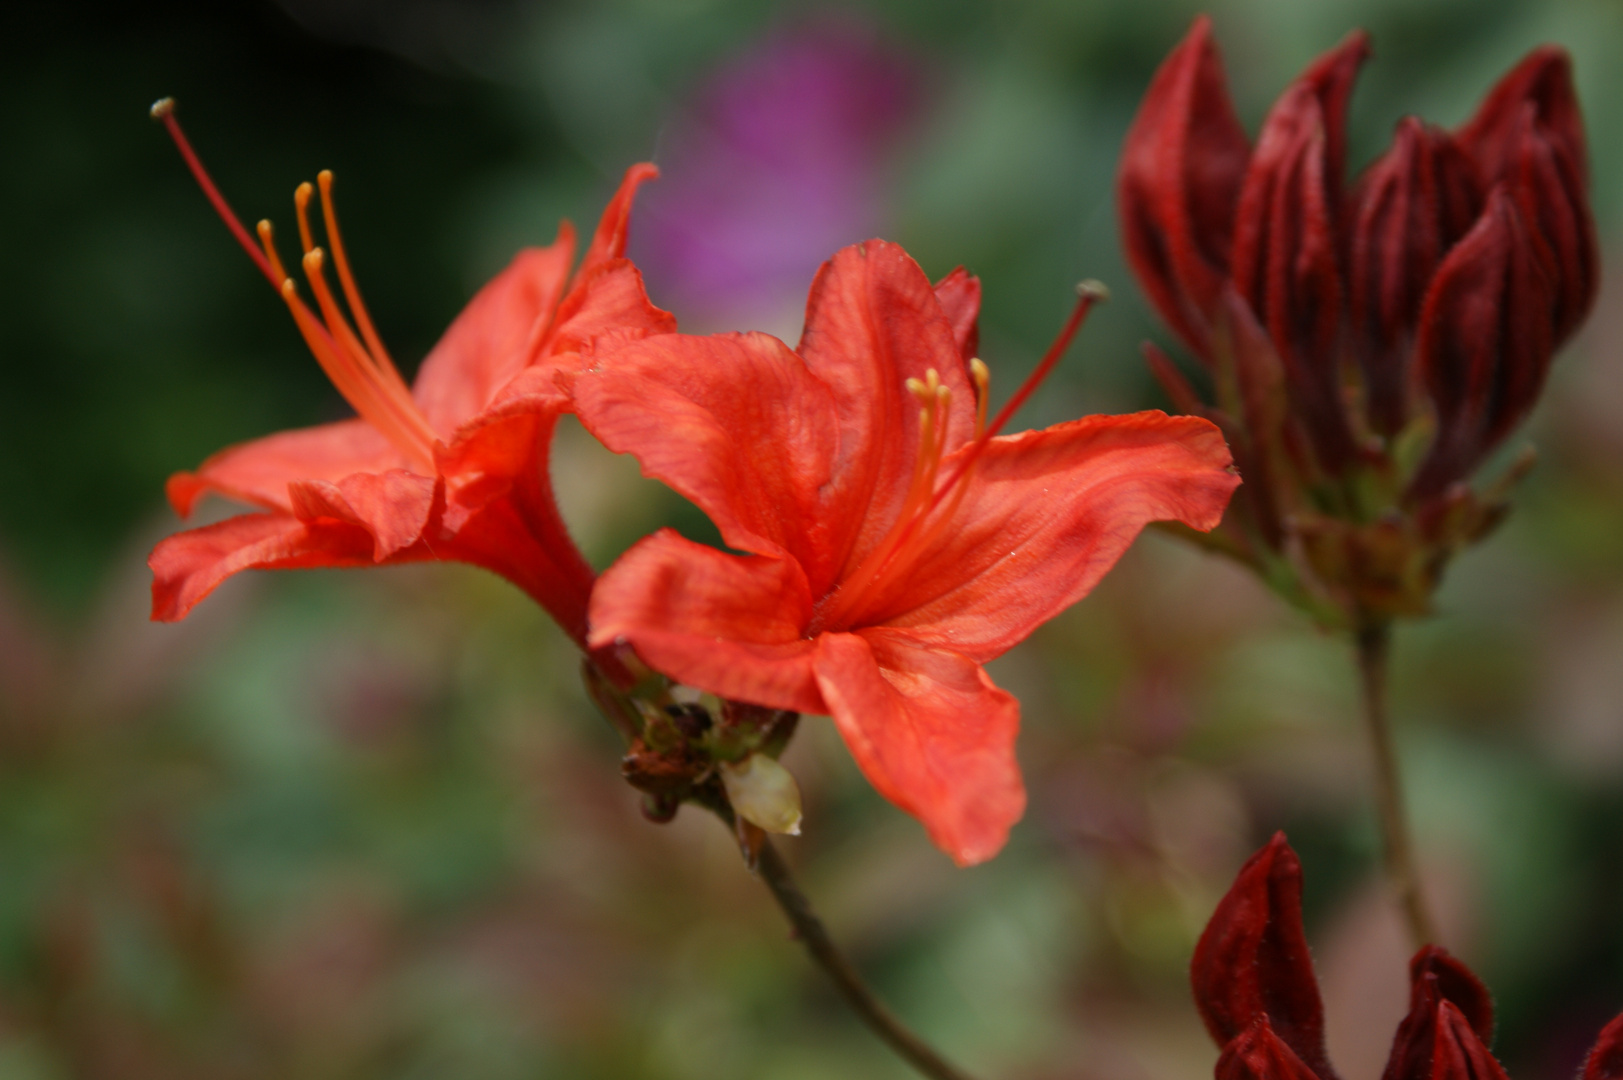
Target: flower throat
x=918 y=525
x=356 y=363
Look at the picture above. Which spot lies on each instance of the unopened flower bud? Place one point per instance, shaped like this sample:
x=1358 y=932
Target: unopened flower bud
x=763 y=793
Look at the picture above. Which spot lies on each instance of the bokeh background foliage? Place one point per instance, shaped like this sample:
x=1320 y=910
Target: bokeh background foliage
x=363 y=825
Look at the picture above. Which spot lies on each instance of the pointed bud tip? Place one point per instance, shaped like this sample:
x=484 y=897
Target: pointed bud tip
x=162 y=108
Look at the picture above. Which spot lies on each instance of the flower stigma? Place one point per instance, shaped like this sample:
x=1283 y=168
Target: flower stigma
x=356 y=363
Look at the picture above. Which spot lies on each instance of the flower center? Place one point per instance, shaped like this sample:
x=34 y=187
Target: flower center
x=357 y=363
x=930 y=505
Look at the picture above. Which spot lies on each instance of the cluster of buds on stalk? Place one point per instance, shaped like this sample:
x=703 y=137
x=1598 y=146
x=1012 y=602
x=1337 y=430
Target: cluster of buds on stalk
x=1367 y=346
x=685 y=746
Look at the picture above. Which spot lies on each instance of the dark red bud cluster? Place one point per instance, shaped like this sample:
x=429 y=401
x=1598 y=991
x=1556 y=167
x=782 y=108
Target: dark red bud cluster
x=1255 y=988
x=1398 y=327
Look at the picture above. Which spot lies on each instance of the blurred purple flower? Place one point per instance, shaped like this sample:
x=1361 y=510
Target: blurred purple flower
x=775 y=162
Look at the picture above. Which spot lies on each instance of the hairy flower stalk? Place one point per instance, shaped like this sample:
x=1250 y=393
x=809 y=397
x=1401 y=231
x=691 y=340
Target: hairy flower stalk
x=1368 y=346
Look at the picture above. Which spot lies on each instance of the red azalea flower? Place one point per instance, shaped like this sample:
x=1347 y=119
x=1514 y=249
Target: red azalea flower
x=453 y=468
x=1255 y=989
x=893 y=545
x=1370 y=344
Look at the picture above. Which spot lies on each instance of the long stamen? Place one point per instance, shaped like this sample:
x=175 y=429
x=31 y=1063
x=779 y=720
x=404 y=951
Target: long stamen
x=376 y=388
x=380 y=397
x=267 y=240
x=352 y=292
x=343 y=377
x=301 y=204
x=381 y=373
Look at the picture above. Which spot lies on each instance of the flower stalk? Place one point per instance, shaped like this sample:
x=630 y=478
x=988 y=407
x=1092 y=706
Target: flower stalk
x=1369 y=343
x=681 y=753
x=774 y=872
x=1373 y=645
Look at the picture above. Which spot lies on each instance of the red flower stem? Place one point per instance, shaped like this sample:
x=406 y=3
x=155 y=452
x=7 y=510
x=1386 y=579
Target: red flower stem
x=1373 y=643
x=814 y=935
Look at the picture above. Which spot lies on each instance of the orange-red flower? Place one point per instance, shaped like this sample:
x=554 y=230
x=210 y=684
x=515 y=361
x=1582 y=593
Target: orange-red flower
x=453 y=468
x=892 y=545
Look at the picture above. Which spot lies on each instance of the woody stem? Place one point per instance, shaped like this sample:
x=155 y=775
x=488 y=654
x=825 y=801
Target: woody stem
x=814 y=935
x=1373 y=642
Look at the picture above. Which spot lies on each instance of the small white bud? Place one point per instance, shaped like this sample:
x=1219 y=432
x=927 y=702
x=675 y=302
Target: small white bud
x=763 y=793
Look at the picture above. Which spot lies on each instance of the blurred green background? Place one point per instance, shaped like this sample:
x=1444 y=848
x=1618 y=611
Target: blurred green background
x=364 y=825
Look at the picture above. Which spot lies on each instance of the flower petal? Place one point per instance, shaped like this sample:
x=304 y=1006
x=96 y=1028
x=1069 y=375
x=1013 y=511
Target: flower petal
x=495 y=336
x=733 y=422
x=1179 y=181
x=189 y=565
x=1413 y=204
x=1552 y=191
x=931 y=732
x=1485 y=342
x=609 y=241
x=873 y=322
x=960 y=296
x=1543 y=79
x=1252 y=961
x=607 y=303
x=259 y=471
x=1606 y=1059
x=506 y=447
x=504 y=537
x=1258 y=1054
x=1287 y=254
x=729 y=624
x=1047 y=513
x=392 y=507
x=1458 y=1053
x=500 y=509
x=1434 y=978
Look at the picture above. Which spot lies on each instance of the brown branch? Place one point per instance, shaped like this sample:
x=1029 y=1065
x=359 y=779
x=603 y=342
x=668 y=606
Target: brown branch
x=814 y=935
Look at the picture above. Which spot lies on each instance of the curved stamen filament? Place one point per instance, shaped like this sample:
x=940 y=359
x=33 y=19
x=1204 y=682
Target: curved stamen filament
x=378 y=391
x=352 y=293
x=344 y=377
x=267 y=240
x=301 y=206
